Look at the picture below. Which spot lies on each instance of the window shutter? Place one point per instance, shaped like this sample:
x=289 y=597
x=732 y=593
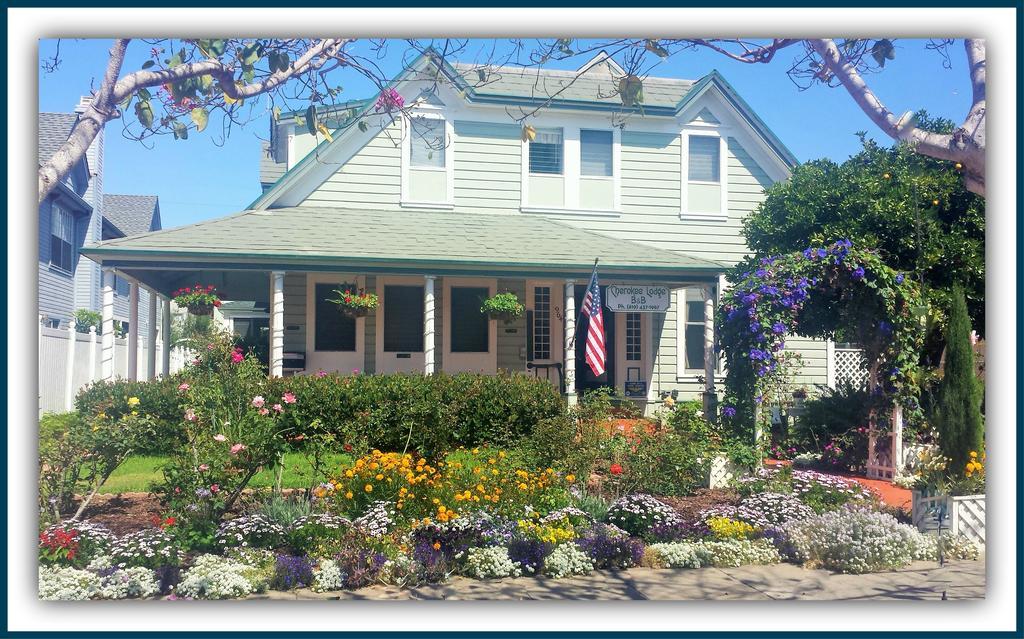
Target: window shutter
x=704 y=158
x=596 y=153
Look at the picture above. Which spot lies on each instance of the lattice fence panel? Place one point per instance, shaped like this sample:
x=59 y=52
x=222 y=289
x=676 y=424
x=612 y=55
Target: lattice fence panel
x=970 y=517
x=722 y=472
x=963 y=515
x=850 y=366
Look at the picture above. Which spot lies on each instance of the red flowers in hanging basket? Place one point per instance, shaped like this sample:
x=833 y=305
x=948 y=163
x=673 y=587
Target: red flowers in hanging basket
x=198 y=299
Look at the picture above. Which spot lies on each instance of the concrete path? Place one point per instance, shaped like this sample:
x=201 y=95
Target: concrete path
x=921 y=581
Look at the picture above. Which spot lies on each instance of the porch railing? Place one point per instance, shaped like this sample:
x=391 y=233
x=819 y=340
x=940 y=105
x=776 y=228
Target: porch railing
x=546 y=371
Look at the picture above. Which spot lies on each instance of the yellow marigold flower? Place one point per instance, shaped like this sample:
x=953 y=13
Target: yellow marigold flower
x=973 y=453
x=378 y=477
x=475 y=498
x=458 y=497
x=494 y=471
x=133 y=401
x=426 y=521
x=348 y=495
x=522 y=486
x=480 y=488
x=501 y=454
x=492 y=461
x=570 y=478
x=368 y=488
x=476 y=450
x=437 y=545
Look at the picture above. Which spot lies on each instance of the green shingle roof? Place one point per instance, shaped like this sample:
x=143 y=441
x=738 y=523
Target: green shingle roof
x=333 y=236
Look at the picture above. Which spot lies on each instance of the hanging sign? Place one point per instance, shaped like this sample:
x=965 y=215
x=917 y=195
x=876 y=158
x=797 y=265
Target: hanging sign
x=636 y=298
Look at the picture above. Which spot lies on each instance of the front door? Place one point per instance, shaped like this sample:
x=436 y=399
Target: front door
x=585 y=378
x=400 y=325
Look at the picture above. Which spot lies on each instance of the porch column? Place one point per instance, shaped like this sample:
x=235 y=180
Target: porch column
x=165 y=336
x=151 y=338
x=133 y=331
x=428 y=325
x=570 y=343
x=107 y=326
x=710 y=397
x=277 y=324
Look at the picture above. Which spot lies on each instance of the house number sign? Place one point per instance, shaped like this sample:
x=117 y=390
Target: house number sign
x=636 y=299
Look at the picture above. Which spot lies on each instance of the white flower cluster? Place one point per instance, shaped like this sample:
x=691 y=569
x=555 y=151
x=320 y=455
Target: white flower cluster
x=490 y=562
x=129 y=583
x=567 y=560
x=328 y=576
x=214 y=577
x=927 y=547
x=67 y=584
x=325 y=520
x=572 y=513
x=855 y=540
x=805 y=480
x=723 y=553
x=637 y=513
x=250 y=530
x=763 y=510
x=378 y=519
x=151 y=547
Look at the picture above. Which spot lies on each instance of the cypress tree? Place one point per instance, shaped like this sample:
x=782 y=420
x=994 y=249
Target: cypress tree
x=958 y=411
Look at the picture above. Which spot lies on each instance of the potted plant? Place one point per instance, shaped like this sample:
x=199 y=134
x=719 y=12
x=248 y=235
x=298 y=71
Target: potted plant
x=504 y=306
x=198 y=299
x=354 y=304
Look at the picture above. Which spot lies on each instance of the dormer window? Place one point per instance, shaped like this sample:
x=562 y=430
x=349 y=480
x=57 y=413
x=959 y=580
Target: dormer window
x=596 y=153
x=704 y=159
x=546 y=152
x=704 y=176
x=427 y=146
x=428 y=167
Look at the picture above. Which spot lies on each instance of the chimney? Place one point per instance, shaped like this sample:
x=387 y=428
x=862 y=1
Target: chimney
x=83 y=103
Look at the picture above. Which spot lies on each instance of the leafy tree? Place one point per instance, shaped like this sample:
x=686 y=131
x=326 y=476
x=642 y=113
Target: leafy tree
x=958 y=412
x=915 y=210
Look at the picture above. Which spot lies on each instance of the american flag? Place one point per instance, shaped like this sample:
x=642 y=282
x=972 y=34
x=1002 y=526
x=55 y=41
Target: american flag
x=596 y=352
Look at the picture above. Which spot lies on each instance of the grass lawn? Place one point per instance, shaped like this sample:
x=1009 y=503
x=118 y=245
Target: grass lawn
x=137 y=473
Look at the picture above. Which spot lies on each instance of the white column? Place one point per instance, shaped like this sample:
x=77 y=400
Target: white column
x=69 y=371
x=277 y=324
x=133 y=331
x=709 y=351
x=830 y=363
x=107 y=326
x=92 y=354
x=165 y=336
x=897 y=438
x=570 y=343
x=428 y=325
x=151 y=338
x=39 y=352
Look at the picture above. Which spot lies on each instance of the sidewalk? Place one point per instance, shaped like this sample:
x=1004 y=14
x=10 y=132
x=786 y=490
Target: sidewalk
x=919 y=581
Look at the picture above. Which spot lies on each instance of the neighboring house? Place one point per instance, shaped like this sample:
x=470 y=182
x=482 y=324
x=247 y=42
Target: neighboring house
x=455 y=204
x=77 y=213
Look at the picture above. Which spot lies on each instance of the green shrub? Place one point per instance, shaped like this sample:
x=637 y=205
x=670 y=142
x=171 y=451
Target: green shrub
x=158 y=399
x=958 y=411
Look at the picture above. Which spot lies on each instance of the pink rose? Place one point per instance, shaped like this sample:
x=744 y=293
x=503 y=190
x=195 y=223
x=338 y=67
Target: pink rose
x=355 y=371
x=237 y=448
x=219 y=437
x=196 y=361
x=204 y=467
x=237 y=357
x=289 y=398
x=177 y=490
x=258 y=401
x=190 y=415
x=321 y=373
x=209 y=347
x=215 y=488
x=279 y=408
x=183 y=387
x=264 y=411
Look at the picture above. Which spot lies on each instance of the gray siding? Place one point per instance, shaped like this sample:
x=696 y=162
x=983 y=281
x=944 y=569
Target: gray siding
x=372 y=178
x=488 y=161
x=56 y=288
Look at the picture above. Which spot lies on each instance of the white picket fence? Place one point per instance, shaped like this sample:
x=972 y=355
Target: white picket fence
x=64 y=371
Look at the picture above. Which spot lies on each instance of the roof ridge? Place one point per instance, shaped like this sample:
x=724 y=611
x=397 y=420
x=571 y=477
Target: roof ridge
x=569 y=73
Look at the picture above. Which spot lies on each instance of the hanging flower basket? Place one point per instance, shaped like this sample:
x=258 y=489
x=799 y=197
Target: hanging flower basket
x=354 y=304
x=198 y=299
x=503 y=306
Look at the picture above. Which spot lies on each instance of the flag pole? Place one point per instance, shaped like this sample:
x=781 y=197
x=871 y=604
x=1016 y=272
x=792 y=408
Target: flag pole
x=579 y=316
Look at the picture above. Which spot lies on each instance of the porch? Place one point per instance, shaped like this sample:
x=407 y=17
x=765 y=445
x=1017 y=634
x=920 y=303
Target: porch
x=431 y=272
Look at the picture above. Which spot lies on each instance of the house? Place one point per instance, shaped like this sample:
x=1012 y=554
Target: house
x=78 y=213
x=458 y=202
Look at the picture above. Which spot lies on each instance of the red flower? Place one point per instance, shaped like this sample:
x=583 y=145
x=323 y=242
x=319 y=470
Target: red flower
x=347 y=448
x=616 y=469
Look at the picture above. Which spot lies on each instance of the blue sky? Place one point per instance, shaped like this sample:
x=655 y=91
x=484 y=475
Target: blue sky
x=204 y=177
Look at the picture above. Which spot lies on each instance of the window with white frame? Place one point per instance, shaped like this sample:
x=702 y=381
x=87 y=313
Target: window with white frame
x=692 y=329
x=62 y=238
x=704 y=159
x=427 y=143
x=596 y=153
x=634 y=348
x=546 y=152
x=541 y=322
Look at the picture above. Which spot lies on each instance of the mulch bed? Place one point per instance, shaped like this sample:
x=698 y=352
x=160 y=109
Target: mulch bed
x=691 y=506
x=124 y=513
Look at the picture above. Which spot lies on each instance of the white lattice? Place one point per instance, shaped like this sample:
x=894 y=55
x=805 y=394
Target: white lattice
x=722 y=472
x=961 y=515
x=850 y=366
x=880 y=459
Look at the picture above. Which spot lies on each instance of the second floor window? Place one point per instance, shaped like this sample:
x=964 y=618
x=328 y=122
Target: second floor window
x=704 y=158
x=546 y=152
x=595 y=153
x=62 y=238
x=427 y=143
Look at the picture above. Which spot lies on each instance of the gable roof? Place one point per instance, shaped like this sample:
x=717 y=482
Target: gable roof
x=513 y=85
x=132 y=214
x=54 y=129
x=294 y=236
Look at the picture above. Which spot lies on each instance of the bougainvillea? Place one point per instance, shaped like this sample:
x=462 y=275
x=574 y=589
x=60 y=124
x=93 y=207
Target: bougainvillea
x=837 y=291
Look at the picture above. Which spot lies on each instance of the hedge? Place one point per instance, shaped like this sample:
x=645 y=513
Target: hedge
x=427 y=414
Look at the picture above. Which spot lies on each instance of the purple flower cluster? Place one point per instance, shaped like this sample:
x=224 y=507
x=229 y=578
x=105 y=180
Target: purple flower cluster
x=678 y=531
x=529 y=554
x=291 y=572
x=609 y=547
